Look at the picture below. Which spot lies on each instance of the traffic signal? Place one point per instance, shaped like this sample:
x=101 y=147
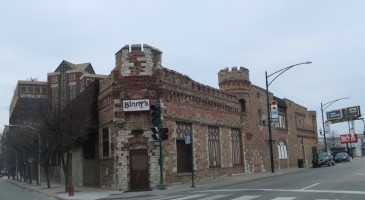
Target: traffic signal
x=164 y=133
x=156 y=114
x=155 y=133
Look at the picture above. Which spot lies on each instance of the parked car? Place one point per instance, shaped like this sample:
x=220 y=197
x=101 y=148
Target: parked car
x=342 y=156
x=324 y=158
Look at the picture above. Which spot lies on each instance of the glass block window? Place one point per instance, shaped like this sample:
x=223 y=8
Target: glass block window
x=214 y=146
x=283 y=153
x=236 y=148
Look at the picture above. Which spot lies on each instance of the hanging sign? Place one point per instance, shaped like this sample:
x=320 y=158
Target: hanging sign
x=133 y=105
x=274 y=111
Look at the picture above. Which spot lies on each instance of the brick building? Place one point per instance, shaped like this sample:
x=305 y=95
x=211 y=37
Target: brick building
x=228 y=133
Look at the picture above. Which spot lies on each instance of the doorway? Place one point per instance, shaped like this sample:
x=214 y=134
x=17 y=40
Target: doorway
x=139 y=179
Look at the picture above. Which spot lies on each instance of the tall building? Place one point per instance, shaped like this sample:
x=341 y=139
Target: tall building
x=28 y=102
x=68 y=80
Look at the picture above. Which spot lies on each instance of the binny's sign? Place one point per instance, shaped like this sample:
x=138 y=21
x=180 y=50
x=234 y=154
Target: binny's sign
x=135 y=105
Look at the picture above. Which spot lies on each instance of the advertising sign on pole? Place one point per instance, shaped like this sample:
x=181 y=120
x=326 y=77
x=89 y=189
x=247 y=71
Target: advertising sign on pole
x=348 y=138
x=326 y=127
x=274 y=111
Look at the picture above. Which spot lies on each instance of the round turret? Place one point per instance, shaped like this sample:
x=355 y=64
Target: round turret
x=235 y=81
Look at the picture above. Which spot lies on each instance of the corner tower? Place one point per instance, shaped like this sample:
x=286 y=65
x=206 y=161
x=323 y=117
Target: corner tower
x=134 y=61
x=236 y=82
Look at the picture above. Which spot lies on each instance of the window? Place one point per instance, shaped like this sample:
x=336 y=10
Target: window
x=183 y=151
x=214 y=146
x=72 y=92
x=282 y=119
x=105 y=142
x=30 y=89
x=88 y=82
x=236 y=149
x=54 y=79
x=71 y=77
x=23 y=89
x=44 y=90
x=283 y=153
x=243 y=105
x=260 y=117
x=37 y=90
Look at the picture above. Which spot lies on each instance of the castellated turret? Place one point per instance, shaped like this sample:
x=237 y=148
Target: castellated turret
x=235 y=81
x=134 y=61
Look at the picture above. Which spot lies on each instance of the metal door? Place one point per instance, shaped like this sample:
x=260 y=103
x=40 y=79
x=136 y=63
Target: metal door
x=139 y=170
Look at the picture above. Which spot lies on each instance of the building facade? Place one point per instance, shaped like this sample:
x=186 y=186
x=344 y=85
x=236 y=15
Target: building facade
x=229 y=135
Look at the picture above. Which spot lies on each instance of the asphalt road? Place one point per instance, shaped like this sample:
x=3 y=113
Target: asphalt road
x=9 y=191
x=344 y=181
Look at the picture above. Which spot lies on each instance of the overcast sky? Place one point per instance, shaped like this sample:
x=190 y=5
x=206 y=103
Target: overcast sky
x=198 y=39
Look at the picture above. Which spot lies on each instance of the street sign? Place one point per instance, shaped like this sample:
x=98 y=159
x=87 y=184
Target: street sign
x=187 y=138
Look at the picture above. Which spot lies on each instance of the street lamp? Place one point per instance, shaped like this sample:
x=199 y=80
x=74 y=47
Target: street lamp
x=281 y=71
x=39 y=149
x=327 y=105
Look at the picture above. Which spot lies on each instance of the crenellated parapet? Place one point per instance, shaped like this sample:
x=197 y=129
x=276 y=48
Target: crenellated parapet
x=235 y=81
x=138 y=60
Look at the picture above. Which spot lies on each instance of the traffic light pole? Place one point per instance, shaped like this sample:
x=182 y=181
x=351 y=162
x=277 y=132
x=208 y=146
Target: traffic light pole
x=161 y=185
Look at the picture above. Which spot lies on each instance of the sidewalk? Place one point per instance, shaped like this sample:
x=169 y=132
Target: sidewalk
x=86 y=193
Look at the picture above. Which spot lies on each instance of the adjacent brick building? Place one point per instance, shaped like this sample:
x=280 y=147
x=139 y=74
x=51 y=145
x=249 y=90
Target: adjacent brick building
x=228 y=133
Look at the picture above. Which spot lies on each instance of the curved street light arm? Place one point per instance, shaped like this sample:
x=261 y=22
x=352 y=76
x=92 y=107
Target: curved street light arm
x=332 y=102
x=284 y=70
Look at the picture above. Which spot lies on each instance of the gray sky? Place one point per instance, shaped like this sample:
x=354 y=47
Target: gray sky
x=198 y=39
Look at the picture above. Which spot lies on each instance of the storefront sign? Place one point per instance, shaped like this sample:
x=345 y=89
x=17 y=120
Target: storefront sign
x=136 y=105
x=348 y=138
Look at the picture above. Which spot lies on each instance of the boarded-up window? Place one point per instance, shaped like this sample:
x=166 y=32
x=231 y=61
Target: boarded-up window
x=214 y=146
x=236 y=149
x=106 y=142
x=184 y=151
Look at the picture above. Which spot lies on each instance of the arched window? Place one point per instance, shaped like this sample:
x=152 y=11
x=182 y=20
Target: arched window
x=283 y=153
x=243 y=105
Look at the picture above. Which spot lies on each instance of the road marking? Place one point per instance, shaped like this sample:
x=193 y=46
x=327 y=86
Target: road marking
x=295 y=190
x=215 y=197
x=310 y=186
x=161 y=198
x=284 y=198
x=190 y=197
x=246 y=198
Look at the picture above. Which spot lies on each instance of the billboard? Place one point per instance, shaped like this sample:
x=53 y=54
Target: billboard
x=348 y=138
x=344 y=114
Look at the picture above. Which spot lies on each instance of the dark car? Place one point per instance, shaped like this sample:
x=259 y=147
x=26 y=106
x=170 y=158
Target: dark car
x=342 y=156
x=323 y=159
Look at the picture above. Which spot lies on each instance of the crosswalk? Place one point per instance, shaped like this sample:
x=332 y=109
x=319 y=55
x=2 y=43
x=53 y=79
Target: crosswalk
x=221 y=196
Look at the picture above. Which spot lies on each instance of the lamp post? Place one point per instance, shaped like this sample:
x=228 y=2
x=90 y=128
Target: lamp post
x=39 y=149
x=322 y=109
x=278 y=73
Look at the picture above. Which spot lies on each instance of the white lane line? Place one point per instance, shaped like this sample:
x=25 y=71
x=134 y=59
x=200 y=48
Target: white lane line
x=162 y=198
x=284 y=198
x=215 y=197
x=191 y=197
x=246 y=197
x=310 y=186
x=296 y=190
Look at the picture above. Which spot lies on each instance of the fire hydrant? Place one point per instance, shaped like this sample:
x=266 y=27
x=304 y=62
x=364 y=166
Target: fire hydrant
x=70 y=189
